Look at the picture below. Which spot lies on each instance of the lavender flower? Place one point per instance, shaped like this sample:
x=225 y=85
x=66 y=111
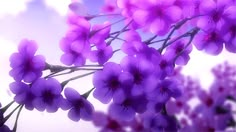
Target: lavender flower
x=25 y=65
x=126 y=106
x=211 y=42
x=216 y=13
x=179 y=51
x=164 y=90
x=99 y=33
x=80 y=108
x=47 y=94
x=141 y=70
x=109 y=82
x=102 y=54
x=157 y=16
x=160 y=122
x=75 y=44
x=107 y=123
x=23 y=94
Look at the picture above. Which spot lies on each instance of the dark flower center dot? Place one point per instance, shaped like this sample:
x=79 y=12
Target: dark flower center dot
x=179 y=49
x=163 y=89
x=113 y=125
x=48 y=97
x=163 y=64
x=100 y=53
x=179 y=104
x=138 y=78
x=113 y=83
x=233 y=30
x=209 y=102
x=221 y=89
x=211 y=37
x=78 y=104
x=127 y=103
x=216 y=16
x=28 y=65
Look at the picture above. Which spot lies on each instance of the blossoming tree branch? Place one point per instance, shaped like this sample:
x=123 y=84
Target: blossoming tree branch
x=145 y=91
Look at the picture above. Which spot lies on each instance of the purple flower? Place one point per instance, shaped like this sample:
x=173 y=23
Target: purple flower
x=128 y=7
x=110 y=7
x=102 y=54
x=80 y=108
x=107 y=123
x=216 y=14
x=160 y=122
x=99 y=33
x=179 y=51
x=141 y=70
x=211 y=42
x=126 y=106
x=25 y=65
x=23 y=94
x=166 y=65
x=47 y=94
x=157 y=16
x=229 y=36
x=75 y=44
x=164 y=90
x=187 y=7
x=133 y=44
x=109 y=82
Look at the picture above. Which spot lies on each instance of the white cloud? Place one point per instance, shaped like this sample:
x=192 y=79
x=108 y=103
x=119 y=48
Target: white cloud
x=6 y=49
x=61 y=6
x=12 y=7
x=200 y=65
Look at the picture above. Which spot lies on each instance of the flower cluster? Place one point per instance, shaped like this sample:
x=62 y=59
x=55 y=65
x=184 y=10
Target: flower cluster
x=144 y=89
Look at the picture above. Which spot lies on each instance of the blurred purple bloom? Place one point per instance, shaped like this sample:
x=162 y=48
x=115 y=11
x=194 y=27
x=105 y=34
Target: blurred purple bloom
x=99 y=33
x=107 y=123
x=80 y=108
x=177 y=106
x=25 y=65
x=23 y=94
x=157 y=16
x=75 y=44
x=47 y=94
x=109 y=82
x=110 y=7
x=160 y=122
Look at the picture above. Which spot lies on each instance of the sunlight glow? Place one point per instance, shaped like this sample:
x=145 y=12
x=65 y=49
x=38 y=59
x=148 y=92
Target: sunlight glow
x=61 y=6
x=12 y=7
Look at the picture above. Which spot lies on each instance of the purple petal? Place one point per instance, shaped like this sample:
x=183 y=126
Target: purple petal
x=39 y=104
x=71 y=94
x=74 y=114
x=67 y=59
x=119 y=112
